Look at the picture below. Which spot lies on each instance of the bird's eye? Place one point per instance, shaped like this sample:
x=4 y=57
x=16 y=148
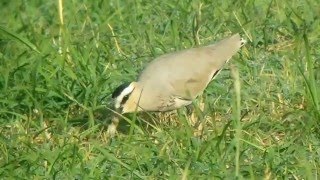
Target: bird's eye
x=124 y=99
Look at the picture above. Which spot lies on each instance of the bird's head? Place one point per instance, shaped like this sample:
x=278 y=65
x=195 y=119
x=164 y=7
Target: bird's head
x=124 y=98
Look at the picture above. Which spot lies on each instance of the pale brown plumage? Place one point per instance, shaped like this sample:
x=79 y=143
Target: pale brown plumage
x=174 y=80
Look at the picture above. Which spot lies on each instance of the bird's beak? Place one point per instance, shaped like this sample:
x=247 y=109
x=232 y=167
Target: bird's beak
x=119 y=110
x=112 y=128
x=117 y=113
x=116 y=116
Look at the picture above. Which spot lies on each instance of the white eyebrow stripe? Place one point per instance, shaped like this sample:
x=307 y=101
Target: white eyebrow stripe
x=125 y=92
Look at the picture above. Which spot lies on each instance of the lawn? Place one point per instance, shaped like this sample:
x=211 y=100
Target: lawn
x=61 y=60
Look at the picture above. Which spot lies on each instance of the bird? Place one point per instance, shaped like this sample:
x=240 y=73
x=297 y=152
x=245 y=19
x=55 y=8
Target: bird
x=174 y=80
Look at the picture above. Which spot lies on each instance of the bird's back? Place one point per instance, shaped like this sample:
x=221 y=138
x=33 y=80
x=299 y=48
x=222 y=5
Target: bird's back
x=186 y=73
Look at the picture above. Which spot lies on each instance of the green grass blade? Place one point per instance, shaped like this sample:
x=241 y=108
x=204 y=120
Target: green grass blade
x=311 y=82
x=114 y=159
x=237 y=117
x=17 y=37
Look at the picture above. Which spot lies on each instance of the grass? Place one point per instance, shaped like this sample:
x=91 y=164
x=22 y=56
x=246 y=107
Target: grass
x=58 y=68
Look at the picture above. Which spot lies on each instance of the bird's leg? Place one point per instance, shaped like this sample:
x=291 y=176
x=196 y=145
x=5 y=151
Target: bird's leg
x=196 y=119
x=190 y=109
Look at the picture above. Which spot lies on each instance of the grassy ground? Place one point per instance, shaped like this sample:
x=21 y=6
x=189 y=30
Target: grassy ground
x=58 y=71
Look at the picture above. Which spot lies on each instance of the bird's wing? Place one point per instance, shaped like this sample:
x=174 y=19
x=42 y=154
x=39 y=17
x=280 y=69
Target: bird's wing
x=187 y=73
